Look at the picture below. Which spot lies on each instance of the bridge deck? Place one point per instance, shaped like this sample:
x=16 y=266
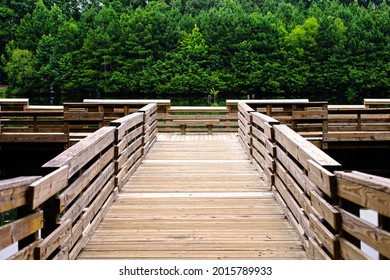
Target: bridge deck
x=195 y=197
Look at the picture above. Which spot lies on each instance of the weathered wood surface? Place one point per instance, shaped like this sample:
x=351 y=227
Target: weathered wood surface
x=195 y=197
x=19 y=229
x=13 y=192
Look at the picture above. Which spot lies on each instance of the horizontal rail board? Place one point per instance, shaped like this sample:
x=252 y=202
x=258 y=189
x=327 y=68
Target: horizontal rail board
x=364 y=194
x=127 y=122
x=74 y=189
x=34 y=137
x=78 y=155
x=27 y=253
x=48 y=186
x=13 y=192
x=301 y=149
x=86 y=197
x=51 y=243
x=19 y=229
x=197 y=109
x=374 y=237
x=348 y=251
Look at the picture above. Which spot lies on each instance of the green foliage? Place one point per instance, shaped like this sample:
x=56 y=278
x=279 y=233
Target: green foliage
x=323 y=50
x=21 y=71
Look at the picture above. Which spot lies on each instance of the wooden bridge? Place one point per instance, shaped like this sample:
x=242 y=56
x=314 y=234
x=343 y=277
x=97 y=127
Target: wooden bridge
x=132 y=184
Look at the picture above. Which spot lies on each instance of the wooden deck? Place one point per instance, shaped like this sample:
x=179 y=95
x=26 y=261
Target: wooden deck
x=195 y=196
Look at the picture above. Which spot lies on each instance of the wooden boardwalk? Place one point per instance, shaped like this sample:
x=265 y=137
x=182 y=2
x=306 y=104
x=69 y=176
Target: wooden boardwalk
x=195 y=197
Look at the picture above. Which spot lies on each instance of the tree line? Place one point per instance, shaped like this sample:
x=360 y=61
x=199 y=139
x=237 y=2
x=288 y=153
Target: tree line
x=323 y=50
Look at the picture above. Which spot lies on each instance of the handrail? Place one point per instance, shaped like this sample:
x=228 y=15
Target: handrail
x=321 y=200
x=80 y=184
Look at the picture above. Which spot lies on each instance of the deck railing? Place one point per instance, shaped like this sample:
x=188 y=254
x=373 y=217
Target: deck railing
x=57 y=213
x=322 y=201
x=62 y=209
x=350 y=124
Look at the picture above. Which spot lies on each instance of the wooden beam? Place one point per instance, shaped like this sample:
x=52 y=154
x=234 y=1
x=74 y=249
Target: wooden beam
x=13 y=192
x=52 y=242
x=85 y=150
x=48 y=186
x=376 y=238
x=19 y=229
x=348 y=251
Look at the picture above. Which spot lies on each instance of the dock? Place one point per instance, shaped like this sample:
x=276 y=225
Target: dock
x=147 y=180
x=195 y=196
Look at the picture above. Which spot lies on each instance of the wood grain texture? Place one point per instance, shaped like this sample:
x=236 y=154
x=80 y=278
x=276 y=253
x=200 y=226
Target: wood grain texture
x=195 y=197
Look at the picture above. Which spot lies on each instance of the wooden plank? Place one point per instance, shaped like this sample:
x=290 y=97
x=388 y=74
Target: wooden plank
x=365 y=196
x=134 y=146
x=265 y=140
x=52 y=242
x=293 y=206
x=369 y=136
x=148 y=110
x=375 y=101
x=310 y=115
x=97 y=203
x=327 y=238
x=376 y=238
x=245 y=111
x=91 y=229
x=85 y=150
x=34 y=137
x=244 y=124
x=348 y=251
x=324 y=180
x=326 y=210
x=129 y=167
x=85 y=199
x=301 y=149
x=63 y=254
x=374 y=182
x=48 y=186
x=70 y=193
x=129 y=137
x=13 y=192
x=126 y=123
x=27 y=253
x=268 y=159
x=262 y=120
x=316 y=252
x=193 y=196
x=23 y=101
x=19 y=229
x=295 y=171
x=297 y=192
x=198 y=109
x=300 y=229
x=83 y=116
x=137 y=102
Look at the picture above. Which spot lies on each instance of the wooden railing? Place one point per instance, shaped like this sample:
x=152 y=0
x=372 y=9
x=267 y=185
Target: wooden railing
x=198 y=119
x=376 y=102
x=32 y=126
x=178 y=118
x=13 y=104
x=321 y=201
x=56 y=214
x=357 y=125
x=62 y=209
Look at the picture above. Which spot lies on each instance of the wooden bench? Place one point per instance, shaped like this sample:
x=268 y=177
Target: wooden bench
x=208 y=123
